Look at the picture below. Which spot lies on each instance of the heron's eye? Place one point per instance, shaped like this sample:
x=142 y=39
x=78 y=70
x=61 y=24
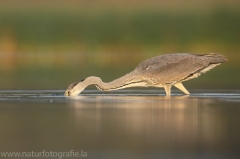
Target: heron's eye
x=68 y=93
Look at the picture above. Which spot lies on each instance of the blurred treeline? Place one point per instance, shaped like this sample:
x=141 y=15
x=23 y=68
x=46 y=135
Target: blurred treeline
x=50 y=46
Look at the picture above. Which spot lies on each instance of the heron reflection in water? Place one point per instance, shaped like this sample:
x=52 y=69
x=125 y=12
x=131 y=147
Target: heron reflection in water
x=161 y=71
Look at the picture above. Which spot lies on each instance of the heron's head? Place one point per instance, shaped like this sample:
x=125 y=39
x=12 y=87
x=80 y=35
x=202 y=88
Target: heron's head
x=75 y=88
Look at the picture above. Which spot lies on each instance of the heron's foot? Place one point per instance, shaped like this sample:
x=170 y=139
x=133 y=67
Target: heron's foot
x=167 y=88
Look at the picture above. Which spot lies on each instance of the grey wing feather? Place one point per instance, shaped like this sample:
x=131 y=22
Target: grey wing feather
x=171 y=68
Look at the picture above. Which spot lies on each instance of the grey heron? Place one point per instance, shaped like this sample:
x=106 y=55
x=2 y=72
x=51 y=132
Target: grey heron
x=161 y=71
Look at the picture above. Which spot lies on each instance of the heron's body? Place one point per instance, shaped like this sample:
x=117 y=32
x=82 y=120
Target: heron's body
x=161 y=71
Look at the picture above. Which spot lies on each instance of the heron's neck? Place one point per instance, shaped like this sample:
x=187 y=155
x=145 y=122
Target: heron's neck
x=128 y=80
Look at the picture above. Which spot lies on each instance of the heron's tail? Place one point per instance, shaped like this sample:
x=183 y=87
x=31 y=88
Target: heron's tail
x=216 y=58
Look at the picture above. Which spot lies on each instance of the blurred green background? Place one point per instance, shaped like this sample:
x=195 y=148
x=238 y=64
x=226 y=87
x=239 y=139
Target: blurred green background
x=50 y=44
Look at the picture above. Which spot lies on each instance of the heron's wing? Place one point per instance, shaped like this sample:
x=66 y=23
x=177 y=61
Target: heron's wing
x=171 y=68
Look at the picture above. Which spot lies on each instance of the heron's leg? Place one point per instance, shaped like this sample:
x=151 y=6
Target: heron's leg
x=181 y=87
x=167 y=88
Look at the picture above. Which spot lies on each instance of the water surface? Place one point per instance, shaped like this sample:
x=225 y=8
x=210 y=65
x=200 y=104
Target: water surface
x=122 y=124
